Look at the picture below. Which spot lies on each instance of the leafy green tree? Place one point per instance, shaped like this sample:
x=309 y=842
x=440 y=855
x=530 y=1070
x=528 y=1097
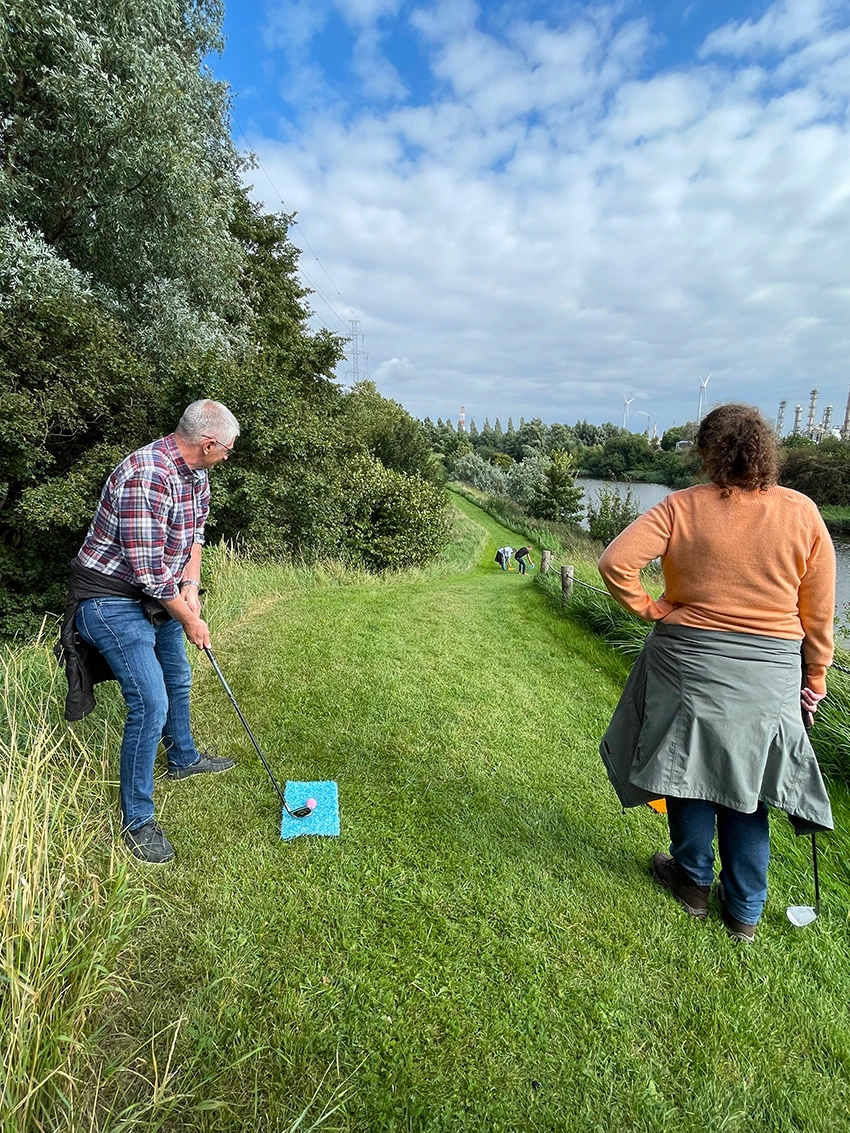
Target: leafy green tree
x=136 y=276
x=531 y=437
x=621 y=453
x=797 y=440
x=388 y=431
x=561 y=438
x=556 y=495
x=820 y=471
x=72 y=394
x=118 y=158
x=671 y=437
x=391 y=521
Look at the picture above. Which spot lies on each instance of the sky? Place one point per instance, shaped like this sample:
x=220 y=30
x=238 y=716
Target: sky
x=548 y=208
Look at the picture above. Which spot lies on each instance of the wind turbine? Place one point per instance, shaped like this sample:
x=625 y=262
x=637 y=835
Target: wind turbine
x=626 y=403
x=643 y=413
x=703 y=397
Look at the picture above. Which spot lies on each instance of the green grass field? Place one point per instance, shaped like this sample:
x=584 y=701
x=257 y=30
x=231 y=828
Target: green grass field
x=483 y=948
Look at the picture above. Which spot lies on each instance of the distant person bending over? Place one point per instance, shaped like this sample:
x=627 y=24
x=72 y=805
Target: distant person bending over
x=712 y=715
x=523 y=556
x=135 y=586
x=503 y=557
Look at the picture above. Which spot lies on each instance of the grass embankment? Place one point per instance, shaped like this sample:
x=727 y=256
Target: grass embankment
x=482 y=949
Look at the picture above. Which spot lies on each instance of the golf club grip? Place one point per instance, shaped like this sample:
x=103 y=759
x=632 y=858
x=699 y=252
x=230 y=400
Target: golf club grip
x=245 y=724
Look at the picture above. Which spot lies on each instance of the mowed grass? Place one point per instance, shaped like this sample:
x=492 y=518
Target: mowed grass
x=482 y=948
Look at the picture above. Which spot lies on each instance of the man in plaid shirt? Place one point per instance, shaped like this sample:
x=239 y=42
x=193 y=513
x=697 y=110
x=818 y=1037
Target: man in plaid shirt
x=137 y=581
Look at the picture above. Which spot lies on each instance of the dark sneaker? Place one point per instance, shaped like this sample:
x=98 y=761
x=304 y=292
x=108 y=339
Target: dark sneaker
x=149 y=844
x=204 y=764
x=743 y=933
x=692 y=897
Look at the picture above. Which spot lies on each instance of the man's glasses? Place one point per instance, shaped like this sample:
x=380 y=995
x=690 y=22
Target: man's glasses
x=227 y=448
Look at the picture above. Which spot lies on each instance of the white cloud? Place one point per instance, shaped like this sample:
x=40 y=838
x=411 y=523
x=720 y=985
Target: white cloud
x=378 y=76
x=556 y=228
x=786 y=25
x=394 y=372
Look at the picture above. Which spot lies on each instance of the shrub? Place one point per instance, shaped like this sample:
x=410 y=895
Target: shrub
x=392 y=520
x=609 y=513
x=482 y=475
x=525 y=480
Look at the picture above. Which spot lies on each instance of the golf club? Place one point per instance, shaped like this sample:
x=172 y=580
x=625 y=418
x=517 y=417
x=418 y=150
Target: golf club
x=299 y=812
x=801 y=915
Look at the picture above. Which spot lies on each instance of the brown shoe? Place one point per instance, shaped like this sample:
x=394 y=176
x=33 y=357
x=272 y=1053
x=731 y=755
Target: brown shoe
x=743 y=933
x=692 y=897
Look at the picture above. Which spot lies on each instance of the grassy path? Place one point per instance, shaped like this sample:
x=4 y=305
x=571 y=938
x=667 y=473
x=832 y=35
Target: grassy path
x=482 y=949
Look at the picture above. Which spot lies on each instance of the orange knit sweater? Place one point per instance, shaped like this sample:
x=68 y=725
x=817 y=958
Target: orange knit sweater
x=758 y=562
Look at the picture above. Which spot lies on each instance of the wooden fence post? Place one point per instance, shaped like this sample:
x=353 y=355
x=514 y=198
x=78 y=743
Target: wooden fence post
x=545 y=562
x=567 y=576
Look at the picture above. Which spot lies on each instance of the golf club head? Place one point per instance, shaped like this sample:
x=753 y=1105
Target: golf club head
x=801 y=915
x=300 y=812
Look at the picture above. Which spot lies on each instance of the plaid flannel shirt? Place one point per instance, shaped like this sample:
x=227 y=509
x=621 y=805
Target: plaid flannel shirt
x=152 y=510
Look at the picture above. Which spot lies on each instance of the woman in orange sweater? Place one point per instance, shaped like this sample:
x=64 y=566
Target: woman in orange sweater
x=712 y=714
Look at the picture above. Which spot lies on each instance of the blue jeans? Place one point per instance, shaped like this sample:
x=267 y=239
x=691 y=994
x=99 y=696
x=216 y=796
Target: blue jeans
x=744 y=844
x=151 y=666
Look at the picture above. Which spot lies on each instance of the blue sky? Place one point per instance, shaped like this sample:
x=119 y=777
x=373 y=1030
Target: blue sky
x=542 y=209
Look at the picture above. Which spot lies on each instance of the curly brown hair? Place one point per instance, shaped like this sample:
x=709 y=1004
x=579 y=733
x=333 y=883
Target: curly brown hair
x=738 y=448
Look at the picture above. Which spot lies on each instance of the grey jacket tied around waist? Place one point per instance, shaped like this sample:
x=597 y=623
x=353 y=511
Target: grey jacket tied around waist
x=710 y=715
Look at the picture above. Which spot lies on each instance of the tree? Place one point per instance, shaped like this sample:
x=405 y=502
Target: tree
x=820 y=471
x=135 y=277
x=119 y=160
x=523 y=479
x=388 y=431
x=671 y=437
x=531 y=437
x=556 y=496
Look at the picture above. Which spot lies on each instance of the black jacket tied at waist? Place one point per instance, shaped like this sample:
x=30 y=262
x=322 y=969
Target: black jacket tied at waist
x=84 y=665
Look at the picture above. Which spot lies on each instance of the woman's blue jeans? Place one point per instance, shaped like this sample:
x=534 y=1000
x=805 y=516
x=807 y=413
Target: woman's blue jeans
x=744 y=844
x=151 y=666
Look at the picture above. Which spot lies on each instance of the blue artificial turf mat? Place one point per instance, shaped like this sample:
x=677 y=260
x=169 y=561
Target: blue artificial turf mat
x=323 y=820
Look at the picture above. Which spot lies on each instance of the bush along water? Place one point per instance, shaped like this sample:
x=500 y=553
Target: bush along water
x=610 y=513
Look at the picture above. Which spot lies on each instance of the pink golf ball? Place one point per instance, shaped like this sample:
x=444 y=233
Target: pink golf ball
x=312 y=804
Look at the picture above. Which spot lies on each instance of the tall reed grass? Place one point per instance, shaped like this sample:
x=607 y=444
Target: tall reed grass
x=69 y=902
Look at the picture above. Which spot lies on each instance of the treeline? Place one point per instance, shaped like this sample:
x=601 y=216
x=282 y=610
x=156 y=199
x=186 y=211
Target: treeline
x=606 y=452
x=136 y=275
x=512 y=461
x=822 y=470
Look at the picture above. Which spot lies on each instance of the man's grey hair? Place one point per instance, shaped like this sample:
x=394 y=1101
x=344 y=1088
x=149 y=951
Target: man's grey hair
x=208 y=419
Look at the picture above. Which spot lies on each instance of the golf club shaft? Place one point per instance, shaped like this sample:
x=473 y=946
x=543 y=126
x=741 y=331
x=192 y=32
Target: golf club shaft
x=226 y=688
x=807 y=724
